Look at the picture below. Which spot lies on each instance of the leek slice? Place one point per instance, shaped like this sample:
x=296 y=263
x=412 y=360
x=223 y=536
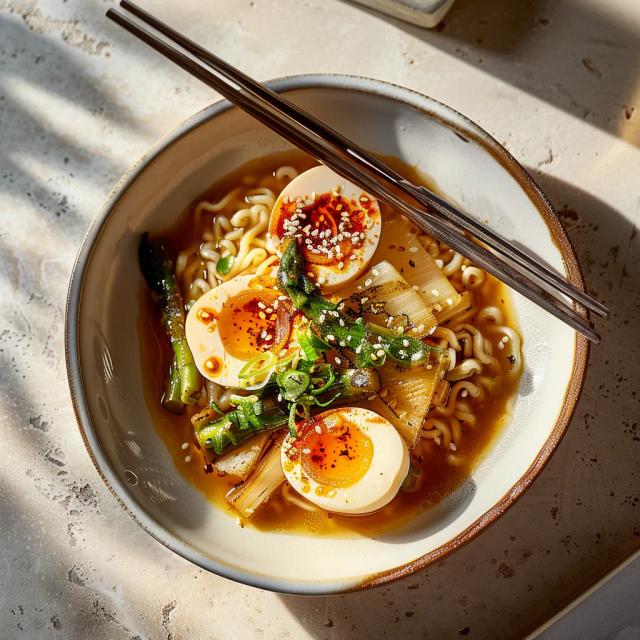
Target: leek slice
x=408 y=394
x=465 y=303
x=384 y=291
x=241 y=461
x=400 y=244
x=267 y=477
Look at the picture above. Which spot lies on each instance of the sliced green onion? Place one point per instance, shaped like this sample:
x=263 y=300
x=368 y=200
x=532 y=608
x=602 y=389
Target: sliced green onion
x=284 y=362
x=328 y=383
x=293 y=431
x=293 y=383
x=224 y=265
x=328 y=402
x=258 y=366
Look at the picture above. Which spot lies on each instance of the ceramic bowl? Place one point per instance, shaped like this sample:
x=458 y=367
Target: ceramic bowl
x=105 y=372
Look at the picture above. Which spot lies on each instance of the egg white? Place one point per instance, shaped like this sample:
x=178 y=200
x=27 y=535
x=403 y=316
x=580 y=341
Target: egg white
x=205 y=341
x=319 y=180
x=379 y=484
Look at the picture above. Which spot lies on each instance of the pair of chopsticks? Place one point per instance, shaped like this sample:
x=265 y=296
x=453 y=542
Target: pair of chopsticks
x=434 y=215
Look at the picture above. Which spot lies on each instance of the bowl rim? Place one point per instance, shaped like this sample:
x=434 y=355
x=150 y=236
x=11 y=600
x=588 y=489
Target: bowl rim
x=464 y=128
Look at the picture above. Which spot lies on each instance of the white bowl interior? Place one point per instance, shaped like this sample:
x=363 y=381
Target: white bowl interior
x=117 y=423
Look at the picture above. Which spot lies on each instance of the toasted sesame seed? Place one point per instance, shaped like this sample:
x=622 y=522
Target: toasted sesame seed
x=185 y=445
x=187 y=458
x=375 y=272
x=413 y=249
x=318 y=429
x=368 y=282
x=331 y=337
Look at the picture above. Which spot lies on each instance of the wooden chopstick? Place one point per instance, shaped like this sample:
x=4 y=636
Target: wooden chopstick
x=230 y=83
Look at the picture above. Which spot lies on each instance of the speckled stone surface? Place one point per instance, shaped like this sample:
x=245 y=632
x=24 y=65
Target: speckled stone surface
x=556 y=82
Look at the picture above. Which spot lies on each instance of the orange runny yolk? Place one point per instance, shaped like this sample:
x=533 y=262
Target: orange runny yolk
x=247 y=323
x=335 y=452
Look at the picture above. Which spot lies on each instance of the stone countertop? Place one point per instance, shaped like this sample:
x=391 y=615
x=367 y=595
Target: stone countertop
x=557 y=83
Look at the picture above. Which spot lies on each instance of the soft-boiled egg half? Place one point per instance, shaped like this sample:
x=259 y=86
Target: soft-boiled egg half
x=336 y=223
x=235 y=323
x=348 y=460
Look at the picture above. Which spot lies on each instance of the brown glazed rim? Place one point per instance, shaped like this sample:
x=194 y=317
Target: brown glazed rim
x=467 y=130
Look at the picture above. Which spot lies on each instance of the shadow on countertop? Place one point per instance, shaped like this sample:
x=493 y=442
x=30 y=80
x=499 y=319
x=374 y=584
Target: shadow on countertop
x=580 y=516
x=564 y=53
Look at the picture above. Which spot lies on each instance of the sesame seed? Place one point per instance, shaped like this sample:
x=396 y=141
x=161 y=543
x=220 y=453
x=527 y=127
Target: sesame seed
x=187 y=458
x=383 y=392
x=318 y=429
x=415 y=287
x=405 y=343
x=331 y=337
x=375 y=272
x=342 y=343
x=413 y=249
x=435 y=292
x=372 y=397
x=449 y=301
x=501 y=345
x=439 y=263
x=380 y=353
x=464 y=393
x=341 y=265
x=364 y=300
x=368 y=282
x=185 y=445
x=338 y=361
x=452 y=446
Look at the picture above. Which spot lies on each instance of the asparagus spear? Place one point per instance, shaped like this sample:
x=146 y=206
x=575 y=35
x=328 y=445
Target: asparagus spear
x=371 y=343
x=157 y=270
x=171 y=399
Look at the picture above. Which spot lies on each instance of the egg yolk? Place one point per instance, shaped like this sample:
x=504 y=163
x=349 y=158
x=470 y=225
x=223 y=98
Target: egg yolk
x=248 y=323
x=335 y=452
x=330 y=226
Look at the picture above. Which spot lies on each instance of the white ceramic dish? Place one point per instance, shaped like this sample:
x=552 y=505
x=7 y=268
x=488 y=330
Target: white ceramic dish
x=105 y=372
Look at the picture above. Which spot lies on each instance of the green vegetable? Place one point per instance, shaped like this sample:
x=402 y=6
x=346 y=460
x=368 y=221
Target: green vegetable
x=251 y=416
x=371 y=343
x=258 y=367
x=293 y=383
x=157 y=270
x=224 y=265
x=254 y=414
x=171 y=399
